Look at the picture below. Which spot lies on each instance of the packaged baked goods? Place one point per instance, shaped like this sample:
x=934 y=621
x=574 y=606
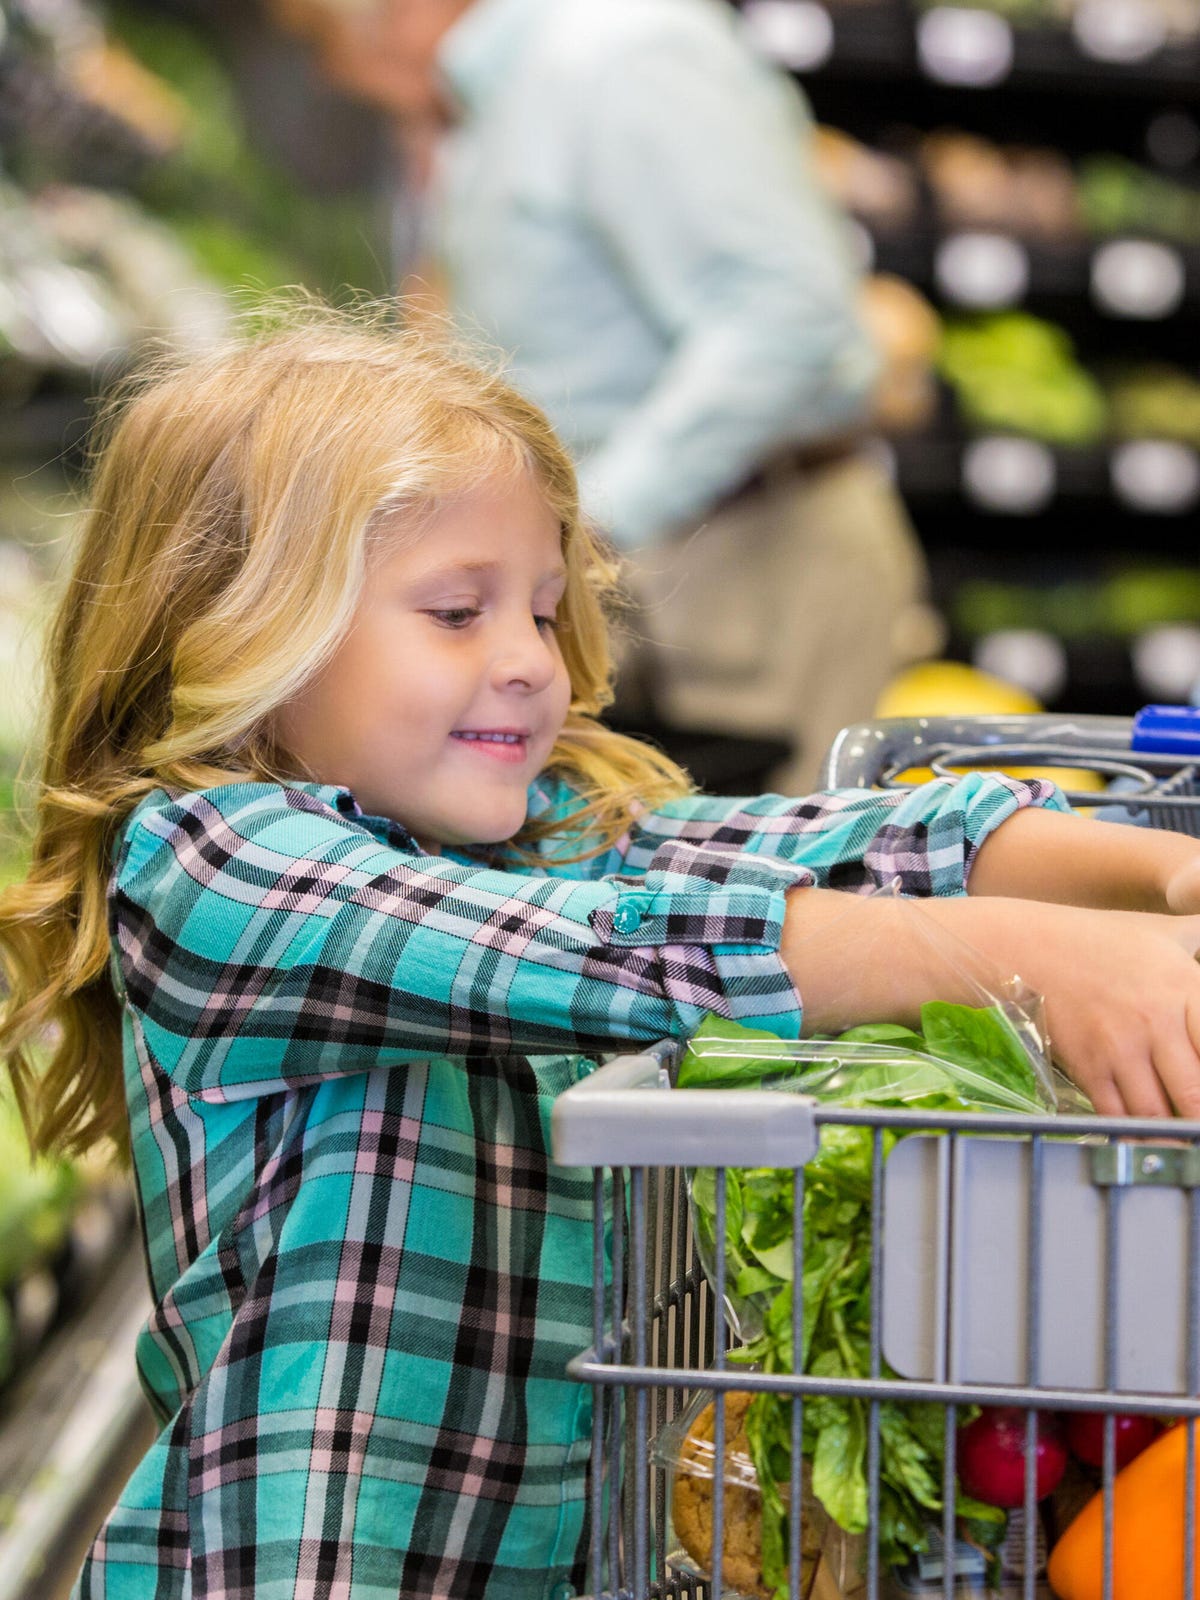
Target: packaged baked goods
x=686 y=1447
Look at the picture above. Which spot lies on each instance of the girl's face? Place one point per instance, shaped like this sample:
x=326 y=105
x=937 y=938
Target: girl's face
x=444 y=699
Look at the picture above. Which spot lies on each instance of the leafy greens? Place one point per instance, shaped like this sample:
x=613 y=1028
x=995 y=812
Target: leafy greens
x=963 y=1058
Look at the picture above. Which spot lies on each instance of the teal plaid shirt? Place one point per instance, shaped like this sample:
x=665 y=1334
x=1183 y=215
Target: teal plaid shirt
x=340 y=1059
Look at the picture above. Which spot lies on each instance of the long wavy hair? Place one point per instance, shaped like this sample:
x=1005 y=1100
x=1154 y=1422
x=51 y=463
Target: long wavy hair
x=232 y=503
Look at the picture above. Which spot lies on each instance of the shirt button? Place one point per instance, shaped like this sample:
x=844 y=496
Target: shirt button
x=627 y=919
x=562 y=1591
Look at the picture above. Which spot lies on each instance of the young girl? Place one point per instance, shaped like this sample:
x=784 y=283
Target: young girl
x=338 y=882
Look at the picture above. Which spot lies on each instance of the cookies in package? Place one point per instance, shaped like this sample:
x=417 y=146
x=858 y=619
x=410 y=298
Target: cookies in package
x=687 y=1448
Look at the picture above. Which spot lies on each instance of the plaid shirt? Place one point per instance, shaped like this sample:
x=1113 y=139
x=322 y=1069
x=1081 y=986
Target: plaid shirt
x=340 y=1059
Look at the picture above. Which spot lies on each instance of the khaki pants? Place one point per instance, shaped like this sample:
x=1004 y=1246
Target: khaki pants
x=783 y=615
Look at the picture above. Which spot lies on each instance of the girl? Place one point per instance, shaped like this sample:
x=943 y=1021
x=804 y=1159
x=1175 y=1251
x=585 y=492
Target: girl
x=337 y=882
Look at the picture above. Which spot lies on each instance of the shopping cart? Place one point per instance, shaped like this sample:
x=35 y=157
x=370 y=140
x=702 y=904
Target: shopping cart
x=973 y=1302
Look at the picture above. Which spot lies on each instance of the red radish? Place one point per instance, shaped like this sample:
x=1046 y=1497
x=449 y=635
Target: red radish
x=991 y=1456
x=1131 y=1435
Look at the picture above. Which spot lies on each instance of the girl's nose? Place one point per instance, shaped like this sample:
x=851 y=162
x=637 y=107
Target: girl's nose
x=527 y=659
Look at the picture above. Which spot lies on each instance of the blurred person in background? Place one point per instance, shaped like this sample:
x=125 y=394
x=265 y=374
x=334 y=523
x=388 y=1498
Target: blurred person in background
x=618 y=193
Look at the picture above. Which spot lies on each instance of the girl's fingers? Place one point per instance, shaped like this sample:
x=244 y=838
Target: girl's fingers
x=1105 y=1097
x=1147 y=1093
x=1179 y=1068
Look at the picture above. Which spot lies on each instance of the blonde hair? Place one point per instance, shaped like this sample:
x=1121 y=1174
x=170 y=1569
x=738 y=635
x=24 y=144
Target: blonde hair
x=232 y=503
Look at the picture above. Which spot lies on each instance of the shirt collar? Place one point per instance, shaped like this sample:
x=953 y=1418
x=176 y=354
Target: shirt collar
x=477 y=54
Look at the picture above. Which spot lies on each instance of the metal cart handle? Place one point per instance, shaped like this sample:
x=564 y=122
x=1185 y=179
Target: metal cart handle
x=620 y=1117
x=862 y=755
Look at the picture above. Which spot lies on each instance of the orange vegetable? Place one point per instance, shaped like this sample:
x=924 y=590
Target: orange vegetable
x=1148 y=1531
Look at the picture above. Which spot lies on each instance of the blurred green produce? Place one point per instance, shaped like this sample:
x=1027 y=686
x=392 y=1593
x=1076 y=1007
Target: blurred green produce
x=1121 y=604
x=1017 y=373
x=1118 y=196
x=1178 y=17
x=37 y=1199
x=1155 y=401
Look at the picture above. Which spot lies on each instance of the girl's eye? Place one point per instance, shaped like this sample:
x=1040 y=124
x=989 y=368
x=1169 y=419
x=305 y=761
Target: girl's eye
x=455 y=616
x=550 y=624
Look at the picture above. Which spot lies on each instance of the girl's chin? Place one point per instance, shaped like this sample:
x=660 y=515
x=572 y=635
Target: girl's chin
x=489 y=827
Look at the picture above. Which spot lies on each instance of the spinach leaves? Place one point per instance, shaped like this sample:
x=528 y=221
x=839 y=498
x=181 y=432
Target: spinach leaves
x=963 y=1059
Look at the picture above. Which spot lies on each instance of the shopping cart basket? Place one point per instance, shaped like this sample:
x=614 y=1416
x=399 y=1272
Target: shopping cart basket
x=974 y=1301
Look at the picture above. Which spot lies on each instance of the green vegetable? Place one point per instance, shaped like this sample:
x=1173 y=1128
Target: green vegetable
x=963 y=1058
x=1017 y=372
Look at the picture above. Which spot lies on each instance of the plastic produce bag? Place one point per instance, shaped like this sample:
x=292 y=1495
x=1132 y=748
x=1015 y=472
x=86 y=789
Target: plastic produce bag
x=984 y=1050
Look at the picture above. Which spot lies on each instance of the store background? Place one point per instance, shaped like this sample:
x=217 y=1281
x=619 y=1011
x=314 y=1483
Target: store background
x=1024 y=179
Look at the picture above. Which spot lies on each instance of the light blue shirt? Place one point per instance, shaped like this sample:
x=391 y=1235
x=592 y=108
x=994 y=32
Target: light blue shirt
x=626 y=208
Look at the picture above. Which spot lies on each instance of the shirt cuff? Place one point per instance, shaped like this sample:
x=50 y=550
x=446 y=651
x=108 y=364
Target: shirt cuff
x=711 y=923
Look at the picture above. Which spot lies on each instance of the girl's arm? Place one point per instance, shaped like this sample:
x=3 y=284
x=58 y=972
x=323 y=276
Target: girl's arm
x=1041 y=855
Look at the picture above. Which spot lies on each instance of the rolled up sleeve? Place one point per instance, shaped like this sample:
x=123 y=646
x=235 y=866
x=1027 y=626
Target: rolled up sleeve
x=922 y=840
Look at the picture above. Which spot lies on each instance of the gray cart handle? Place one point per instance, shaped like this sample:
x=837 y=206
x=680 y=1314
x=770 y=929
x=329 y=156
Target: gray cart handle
x=619 y=1117
x=1154 y=777
x=866 y=753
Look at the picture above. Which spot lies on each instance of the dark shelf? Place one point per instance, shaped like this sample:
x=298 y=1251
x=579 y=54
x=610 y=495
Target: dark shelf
x=880 y=38
x=930 y=474
x=1059 y=277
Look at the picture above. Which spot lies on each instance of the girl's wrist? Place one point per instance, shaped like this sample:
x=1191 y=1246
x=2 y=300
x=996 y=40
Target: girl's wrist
x=879 y=958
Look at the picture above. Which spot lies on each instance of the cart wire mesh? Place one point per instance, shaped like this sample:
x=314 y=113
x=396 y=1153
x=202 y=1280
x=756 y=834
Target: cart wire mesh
x=658 y=1339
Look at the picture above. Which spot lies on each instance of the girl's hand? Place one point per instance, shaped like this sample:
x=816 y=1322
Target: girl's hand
x=1122 y=994
x=1121 y=988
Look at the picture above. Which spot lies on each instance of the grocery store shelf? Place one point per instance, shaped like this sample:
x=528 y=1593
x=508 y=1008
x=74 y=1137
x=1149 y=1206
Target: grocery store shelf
x=70 y=1432
x=1129 y=278
x=960 y=47
x=1007 y=475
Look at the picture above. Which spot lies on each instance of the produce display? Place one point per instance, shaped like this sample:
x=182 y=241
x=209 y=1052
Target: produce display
x=1119 y=603
x=1177 y=18
x=1017 y=372
x=881 y=188
x=87 y=276
x=907 y=331
x=1007 y=368
x=951 y=178
x=133 y=200
x=247 y=221
x=1154 y=400
x=1122 y=196
x=976 y=183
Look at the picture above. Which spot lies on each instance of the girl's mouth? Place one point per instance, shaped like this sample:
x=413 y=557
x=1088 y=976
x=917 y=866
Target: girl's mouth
x=497 y=744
